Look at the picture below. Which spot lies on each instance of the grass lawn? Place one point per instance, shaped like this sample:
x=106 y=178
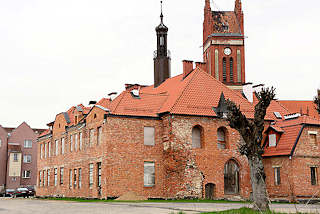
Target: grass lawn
x=239 y=211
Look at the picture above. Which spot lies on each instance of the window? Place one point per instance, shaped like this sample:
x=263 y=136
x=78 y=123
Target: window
x=57 y=147
x=161 y=40
x=272 y=140
x=80 y=141
x=314 y=178
x=71 y=142
x=79 y=177
x=231 y=69
x=41 y=151
x=91 y=135
x=26 y=174
x=75 y=142
x=149 y=136
x=99 y=135
x=40 y=178
x=45 y=150
x=48 y=177
x=61 y=175
x=277 y=178
x=221 y=135
x=75 y=178
x=15 y=157
x=55 y=176
x=0 y=143
x=196 y=137
x=91 y=174
x=44 y=177
x=224 y=74
x=99 y=174
x=27 y=143
x=62 y=145
x=49 y=149
x=149 y=174
x=70 y=178
x=313 y=139
x=27 y=159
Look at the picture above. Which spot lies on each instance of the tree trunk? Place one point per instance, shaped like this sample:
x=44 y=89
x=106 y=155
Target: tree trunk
x=258 y=184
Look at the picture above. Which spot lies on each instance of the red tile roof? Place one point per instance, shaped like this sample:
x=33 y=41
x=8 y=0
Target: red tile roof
x=302 y=107
x=104 y=102
x=47 y=131
x=197 y=94
x=291 y=129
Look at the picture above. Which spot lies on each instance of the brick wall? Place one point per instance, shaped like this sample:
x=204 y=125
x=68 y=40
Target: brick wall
x=3 y=156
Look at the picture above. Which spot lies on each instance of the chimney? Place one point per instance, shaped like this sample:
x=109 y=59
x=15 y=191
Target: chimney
x=201 y=65
x=187 y=67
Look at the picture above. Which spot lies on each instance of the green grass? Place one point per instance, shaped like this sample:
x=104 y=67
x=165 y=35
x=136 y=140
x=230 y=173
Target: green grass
x=243 y=211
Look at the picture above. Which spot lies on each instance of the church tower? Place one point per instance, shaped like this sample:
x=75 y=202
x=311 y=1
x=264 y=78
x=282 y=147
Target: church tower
x=161 y=56
x=223 y=44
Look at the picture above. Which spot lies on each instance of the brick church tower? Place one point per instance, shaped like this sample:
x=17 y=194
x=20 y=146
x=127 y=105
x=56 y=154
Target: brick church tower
x=223 y=44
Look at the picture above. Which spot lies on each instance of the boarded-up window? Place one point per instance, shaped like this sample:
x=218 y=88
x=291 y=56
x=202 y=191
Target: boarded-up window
x=221 y=135
x=75 y=142
x=314 y=178
x=149 y=136
x=62 y=145
x=99 y=135
x=272 y=140
x=71 y=143
x=80 y=141
x=313 y=139
x=149 y=174
x=196 y=137
x=277 y=178
x=57 y=147
x=91 y=135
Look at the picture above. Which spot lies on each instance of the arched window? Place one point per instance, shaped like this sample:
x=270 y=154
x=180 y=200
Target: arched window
x=196 y=137
x=231 y=69
x=224 y=74
x=222 y=142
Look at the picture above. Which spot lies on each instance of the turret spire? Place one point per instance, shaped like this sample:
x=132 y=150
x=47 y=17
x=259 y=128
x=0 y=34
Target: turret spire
x=161 y=15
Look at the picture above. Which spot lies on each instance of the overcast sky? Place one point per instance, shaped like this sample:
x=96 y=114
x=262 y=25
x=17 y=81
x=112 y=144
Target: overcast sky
x=59 y=53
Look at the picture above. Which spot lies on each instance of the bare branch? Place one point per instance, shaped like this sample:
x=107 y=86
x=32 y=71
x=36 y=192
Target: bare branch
x=317 y=101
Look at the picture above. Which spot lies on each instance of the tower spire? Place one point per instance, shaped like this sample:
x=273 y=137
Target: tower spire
x=161 y=15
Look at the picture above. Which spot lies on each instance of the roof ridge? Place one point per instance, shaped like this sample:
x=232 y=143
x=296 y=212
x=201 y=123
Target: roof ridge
x=121 y=97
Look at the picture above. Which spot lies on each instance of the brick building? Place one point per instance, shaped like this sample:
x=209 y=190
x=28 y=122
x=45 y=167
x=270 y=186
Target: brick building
x=171 y=139
x=18 y=156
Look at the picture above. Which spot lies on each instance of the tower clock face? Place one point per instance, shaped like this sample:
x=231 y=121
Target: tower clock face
x=227 y=51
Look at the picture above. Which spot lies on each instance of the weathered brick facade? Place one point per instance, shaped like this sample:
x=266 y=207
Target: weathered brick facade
x=106 y=152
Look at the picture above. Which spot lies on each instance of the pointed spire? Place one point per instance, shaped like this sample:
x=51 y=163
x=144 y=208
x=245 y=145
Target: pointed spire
x=161 y=15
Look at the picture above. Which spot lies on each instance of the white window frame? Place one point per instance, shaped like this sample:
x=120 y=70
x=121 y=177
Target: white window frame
x=0 y=142
x=79 y=178
x=149 y=178
x=41 y=151
x=15 y=157
x=28 y=144
x=48 y=173
x=71 y=143
x=75 y=142
x=62 y=145
x=26 y=174
x=272 y=140
x=26 y=158
x=55 y=176
x=91 y=174
x=80 y=141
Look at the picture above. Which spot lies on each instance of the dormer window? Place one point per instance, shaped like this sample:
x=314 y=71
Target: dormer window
x=272 y=140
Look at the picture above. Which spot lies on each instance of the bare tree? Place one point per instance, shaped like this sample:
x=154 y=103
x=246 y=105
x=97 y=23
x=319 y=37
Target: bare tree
x=251 y=132
x=317 y=101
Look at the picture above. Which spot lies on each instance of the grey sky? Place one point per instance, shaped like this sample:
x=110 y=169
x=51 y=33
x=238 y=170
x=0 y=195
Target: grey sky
x=59 y=53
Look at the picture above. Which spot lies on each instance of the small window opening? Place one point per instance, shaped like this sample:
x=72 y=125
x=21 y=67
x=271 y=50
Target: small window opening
x=314 y=178
x=196 y=137
x=277 y=177
x=221 y=134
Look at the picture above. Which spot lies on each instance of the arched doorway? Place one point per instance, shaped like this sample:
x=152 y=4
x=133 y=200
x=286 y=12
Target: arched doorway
x=209 y=188
x=231 y=178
